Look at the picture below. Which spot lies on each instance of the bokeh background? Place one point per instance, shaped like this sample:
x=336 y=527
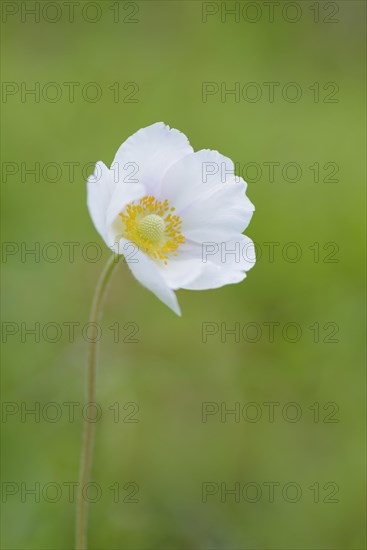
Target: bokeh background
x=168 y=52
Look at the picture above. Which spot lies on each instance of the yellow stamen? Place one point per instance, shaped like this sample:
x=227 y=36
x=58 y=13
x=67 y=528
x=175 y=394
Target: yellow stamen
x=151 y=225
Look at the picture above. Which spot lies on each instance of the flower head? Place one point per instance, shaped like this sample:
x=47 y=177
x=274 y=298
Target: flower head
x=177 y=216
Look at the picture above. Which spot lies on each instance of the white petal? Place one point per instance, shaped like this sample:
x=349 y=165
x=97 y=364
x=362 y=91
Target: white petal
x=221 y=213
x=100 y=187
x=106 y=199
x=236 y=254
x=147 y=155
x=194 y=175
x=215 y=276
x=210 y=266
x=194 y=275
x=208 y=197
x=179 y=274
x=148 y=274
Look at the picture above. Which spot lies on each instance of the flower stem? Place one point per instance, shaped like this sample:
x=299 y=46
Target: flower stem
x=88 y=435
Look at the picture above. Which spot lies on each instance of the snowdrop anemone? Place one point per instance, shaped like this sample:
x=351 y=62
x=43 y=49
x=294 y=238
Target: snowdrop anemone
x=176 y=215
x=177 y=218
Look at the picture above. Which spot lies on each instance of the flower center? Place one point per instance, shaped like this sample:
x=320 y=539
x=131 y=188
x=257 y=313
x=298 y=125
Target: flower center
x=152 y=226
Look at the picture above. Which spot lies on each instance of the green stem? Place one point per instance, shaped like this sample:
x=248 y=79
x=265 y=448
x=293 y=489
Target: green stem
x=87 y=452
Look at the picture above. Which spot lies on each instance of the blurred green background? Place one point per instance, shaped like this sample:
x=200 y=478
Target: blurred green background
x=170 y=372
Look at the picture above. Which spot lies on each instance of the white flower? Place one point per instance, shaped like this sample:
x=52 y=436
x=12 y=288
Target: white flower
x=177 y=216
